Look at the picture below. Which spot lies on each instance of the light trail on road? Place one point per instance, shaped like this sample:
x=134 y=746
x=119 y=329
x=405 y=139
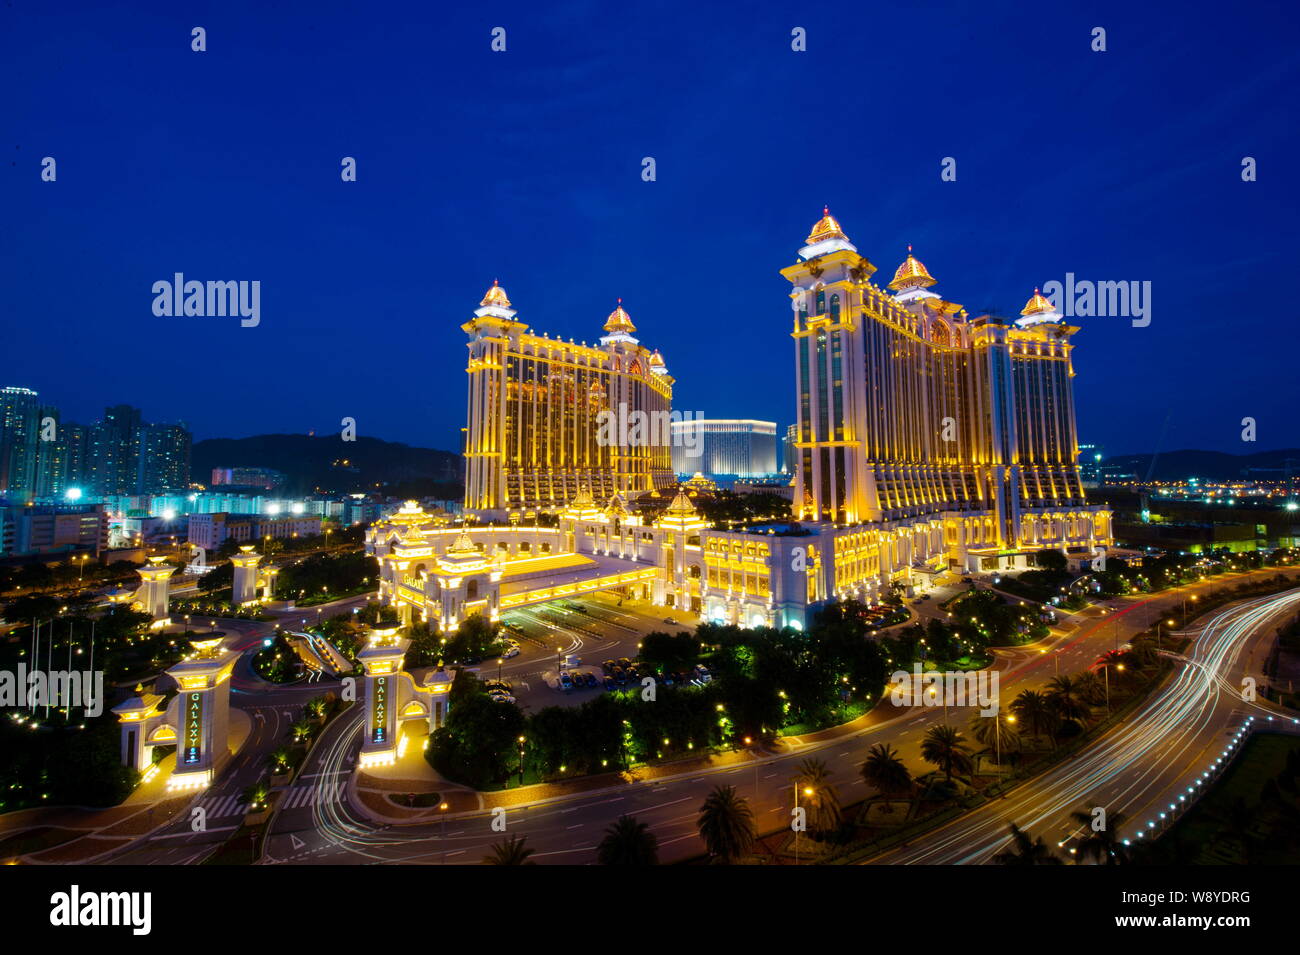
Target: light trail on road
x=1167 y=731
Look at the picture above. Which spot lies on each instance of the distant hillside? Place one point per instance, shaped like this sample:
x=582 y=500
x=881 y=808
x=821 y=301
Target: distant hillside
x=1212 y=465
x=318 y=462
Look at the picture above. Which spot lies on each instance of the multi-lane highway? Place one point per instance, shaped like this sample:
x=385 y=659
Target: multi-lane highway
x=1148 y=767
x=567 y=829
x=1134 y=771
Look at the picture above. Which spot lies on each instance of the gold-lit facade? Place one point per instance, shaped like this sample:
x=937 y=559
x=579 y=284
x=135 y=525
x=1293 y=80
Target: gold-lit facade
x=928 y=441
x=536 y=404
x=914 y=416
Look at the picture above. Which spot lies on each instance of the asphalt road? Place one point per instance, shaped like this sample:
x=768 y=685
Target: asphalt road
x=566 y=830
x=1150 y=765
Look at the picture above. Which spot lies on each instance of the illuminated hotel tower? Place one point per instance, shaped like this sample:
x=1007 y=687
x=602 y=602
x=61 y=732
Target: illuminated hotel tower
x=910 y=409
x=532 y=441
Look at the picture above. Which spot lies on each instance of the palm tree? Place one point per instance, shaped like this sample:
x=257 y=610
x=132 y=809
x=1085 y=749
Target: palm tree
x=1101 y=846
x=510 y=852
x=1142 y=653
x=628 y=842
x=1026 y=851
x=279 y=760
x=815 y=793
x=1033 y=709
x=946 y=748
x=886 y=772
x=986 y=731
x=301 y=731
x=1089 y=688
x=256 y=796
x=1063 y=698
x=314 y=708
x=727 y=825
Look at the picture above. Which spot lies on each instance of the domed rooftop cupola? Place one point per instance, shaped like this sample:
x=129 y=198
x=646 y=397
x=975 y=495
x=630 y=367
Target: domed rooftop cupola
x=826 y=236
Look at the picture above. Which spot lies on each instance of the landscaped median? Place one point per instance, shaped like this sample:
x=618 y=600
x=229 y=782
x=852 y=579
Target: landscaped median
x=283 y=764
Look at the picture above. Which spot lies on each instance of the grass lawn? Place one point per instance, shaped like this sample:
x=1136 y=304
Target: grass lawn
x=1206 y=829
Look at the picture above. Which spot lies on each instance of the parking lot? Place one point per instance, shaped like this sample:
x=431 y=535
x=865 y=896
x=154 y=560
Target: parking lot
x=578 y=638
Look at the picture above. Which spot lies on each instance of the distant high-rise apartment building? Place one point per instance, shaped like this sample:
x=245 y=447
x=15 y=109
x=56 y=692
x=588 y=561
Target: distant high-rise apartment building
x=19 y=443
x=165 y=457
x=724 y=447
x=788 y=452
x=44 y=457
x=115 y=451
x=1090 y=466
x=266 y=478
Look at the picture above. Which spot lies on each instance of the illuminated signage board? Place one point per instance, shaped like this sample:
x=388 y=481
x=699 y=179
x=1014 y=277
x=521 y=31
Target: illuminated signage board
x=379 y=710
x=192 y=721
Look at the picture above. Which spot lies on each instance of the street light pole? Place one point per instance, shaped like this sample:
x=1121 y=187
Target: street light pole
x=443 y=812
x=796 y=832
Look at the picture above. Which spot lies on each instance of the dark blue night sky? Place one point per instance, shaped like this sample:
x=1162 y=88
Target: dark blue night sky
x=525 y=166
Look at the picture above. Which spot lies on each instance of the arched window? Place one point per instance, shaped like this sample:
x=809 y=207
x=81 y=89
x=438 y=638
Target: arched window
x=471 y=590
x=821 y=302
x=835 y=307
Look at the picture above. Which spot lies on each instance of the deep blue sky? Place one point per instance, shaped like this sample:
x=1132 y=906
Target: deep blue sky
x=525 y=165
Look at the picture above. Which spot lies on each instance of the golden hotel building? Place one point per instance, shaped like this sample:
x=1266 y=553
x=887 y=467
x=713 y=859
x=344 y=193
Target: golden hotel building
x=928 y=441
x=535 y=407
x=954 y=433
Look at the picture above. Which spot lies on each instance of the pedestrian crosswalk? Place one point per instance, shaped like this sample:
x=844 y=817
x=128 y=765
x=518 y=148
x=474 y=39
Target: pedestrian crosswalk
x=312 y=795
x=308 y=794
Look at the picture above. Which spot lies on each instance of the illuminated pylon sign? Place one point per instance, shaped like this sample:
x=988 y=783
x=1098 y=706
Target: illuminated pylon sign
x=382 y=658
x=196 y=721
x=395 y=698
x=192 y=748
x=154 y=595
x=379 y=710
x=245 y=580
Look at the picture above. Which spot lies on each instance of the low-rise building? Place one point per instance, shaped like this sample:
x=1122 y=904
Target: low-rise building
x=210 y=531
x=52 y=529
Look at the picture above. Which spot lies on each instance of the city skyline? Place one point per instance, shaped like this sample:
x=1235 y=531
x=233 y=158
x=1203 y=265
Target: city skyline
x=553 y=203
x=595 y=435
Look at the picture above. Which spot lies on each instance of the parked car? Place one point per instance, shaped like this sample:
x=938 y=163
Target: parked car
x=566 y=681
x=501 y=698
x=590 y=679
x=609 y=683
